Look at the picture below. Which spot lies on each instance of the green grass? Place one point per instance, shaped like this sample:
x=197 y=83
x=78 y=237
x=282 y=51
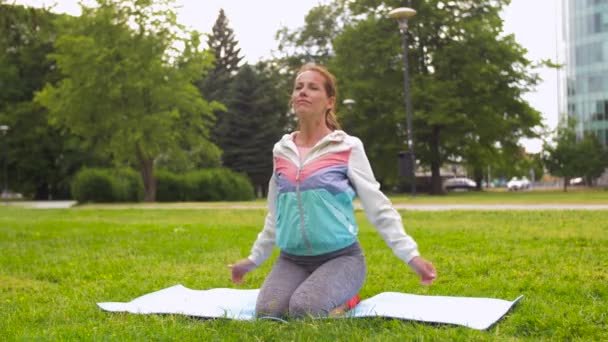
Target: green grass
x=56 y=264
x=555 y=196
x=501 y=196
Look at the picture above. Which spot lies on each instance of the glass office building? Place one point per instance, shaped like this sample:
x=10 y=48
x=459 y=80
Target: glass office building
x=585 y=38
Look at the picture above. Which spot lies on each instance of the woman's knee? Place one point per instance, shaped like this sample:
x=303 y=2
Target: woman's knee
x=271 y=308
x=303 y=305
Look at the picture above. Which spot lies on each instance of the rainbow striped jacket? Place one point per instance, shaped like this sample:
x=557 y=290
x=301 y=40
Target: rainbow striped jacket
x=310 y=202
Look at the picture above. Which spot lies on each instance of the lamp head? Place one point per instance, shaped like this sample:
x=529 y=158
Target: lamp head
x=402 y=13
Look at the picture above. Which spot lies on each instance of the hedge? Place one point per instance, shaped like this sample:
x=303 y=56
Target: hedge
x=125 y=185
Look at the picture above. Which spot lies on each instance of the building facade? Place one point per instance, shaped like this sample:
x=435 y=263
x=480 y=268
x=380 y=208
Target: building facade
x=585 y=77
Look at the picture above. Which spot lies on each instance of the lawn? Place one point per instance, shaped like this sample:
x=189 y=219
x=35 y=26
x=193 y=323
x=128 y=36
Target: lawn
x=56 y=264
x=574 y=195
x=499 y=196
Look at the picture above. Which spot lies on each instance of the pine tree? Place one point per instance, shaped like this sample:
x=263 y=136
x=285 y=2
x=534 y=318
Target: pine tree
x=252 y=125
x=215 y=85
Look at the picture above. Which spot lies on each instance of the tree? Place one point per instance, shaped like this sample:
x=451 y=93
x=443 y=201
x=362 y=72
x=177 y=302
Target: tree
x=314 y=41
x=223 y=46
x=593 y=158
x=253 y=123
x=562 y=158
x=42 y=158
x=216 y=83
x=125 y=87
x=467 y=84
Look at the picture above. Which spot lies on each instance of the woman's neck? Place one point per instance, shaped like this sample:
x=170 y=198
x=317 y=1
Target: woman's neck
x=311 y=132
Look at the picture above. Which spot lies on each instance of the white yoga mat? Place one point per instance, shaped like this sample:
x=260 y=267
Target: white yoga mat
x=475 y=313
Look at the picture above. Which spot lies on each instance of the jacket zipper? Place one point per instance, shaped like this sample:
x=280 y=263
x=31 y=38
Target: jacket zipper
x=299 y=198
x=302 y=226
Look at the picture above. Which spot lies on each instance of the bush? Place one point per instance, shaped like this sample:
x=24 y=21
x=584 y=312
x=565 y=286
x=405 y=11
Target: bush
x=170 y=187
x=126 y=185
x=130 y=186
x=94 y=185
x=107 y=185
x=217 y=185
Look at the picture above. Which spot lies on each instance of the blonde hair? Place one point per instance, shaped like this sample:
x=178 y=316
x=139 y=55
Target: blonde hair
x=331 y=89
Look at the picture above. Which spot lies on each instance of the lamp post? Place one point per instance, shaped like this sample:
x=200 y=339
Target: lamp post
x=349 y=103
x=402 y=15
x=3 y=130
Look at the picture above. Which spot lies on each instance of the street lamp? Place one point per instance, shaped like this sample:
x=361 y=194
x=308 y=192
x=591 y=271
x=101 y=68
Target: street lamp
x=4 y=129
x=402 y=15
x=349 y=103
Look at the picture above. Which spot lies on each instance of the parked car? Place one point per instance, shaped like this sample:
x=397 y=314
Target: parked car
x=459 y=183
x=516 y=184
x=577 y=181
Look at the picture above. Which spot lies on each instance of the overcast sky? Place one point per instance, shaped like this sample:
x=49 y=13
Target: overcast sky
x=256 y=22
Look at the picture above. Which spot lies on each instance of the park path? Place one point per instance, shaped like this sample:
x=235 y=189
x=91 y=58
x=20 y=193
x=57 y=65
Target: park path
x=250 y=206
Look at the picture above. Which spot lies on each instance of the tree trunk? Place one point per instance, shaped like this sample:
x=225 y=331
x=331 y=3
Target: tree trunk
x=147 y=173
x=566 y=181
x=478 y=178
x=436 y=188
x=146 y=168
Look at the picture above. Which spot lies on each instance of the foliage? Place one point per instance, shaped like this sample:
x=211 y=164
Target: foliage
x=56 y=264
x=467 y=83
x=251 y=125
x=130 y=185
x=367 y=72
x=593 y=158
x=222 y=44
x=467 y=80
x=217 y=185
x=312 y=42
x=568 y=157
x=125 y=87
x=204 y=185
x=94 y=185
x=107 y=185
x=214 y=85
x=206 y=155
x=508 y=164
x=171 y=187
x=41 y=158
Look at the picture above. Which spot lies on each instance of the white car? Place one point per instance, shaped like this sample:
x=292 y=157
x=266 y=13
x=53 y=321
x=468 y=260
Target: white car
x=518 y=184
x=459 y=183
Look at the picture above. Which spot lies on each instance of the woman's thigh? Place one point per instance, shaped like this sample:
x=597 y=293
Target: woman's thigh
x=329 y=286
x=279 y=286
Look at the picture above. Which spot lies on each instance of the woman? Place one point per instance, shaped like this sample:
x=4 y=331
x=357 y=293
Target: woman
x=318 y=170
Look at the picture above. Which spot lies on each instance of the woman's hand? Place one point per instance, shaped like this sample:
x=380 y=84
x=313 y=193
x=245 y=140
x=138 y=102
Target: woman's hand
x=425 y=270
x=240 y=268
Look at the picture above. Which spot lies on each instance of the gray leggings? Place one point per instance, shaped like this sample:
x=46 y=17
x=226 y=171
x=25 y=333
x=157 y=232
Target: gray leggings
x=299 y=286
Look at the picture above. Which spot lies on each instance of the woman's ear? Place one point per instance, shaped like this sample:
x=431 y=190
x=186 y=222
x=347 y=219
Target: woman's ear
x=332 y=103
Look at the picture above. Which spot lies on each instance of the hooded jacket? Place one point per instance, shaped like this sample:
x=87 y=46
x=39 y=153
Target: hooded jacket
x=310 y=201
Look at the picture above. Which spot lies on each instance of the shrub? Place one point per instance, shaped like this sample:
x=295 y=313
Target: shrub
x=94 y=185
x=169 y=187
x=218 y=185
x=107 y=185
x=130 y=185
x=125 y=185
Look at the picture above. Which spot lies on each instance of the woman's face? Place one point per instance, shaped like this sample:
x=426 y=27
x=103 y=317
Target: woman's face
x=309 y=98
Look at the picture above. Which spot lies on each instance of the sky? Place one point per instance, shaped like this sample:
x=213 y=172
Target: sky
x=255 y=24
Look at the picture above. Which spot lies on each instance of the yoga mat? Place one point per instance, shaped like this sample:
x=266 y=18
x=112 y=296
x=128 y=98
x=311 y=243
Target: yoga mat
x=472 y=312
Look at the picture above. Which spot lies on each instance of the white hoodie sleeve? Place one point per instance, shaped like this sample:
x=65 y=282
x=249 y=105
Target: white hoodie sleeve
x=378 y=208
x=262 y=248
